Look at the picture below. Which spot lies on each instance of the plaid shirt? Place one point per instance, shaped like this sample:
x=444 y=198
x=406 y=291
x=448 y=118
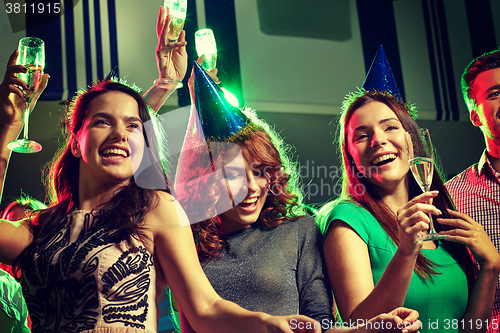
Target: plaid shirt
x=476 y=192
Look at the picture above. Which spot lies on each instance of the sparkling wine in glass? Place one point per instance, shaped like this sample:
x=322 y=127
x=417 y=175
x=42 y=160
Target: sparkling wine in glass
x=31 y=56
x=422 y=168
x=178 y=10
x=205 y=45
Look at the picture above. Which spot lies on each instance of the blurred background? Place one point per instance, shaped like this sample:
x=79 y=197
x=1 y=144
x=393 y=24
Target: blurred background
x=293 y=61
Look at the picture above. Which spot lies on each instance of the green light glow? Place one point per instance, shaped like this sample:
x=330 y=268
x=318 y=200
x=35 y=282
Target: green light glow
x=231 y=98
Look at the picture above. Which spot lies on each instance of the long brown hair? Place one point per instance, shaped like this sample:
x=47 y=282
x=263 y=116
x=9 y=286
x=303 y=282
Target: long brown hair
x=353 y=181
x=129 y=204
x=282 y=202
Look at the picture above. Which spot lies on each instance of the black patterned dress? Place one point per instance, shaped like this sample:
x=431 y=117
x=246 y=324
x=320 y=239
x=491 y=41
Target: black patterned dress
x=87 y=278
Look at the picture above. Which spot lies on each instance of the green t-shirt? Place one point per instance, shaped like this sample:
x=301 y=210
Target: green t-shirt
x=440 y=301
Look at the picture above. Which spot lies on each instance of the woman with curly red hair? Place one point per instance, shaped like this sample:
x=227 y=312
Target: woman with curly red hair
x=263 y=251
x=240 y=191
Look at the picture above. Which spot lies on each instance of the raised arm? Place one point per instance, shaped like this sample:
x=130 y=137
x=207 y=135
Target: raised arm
x=171 y=61
x=14 y=236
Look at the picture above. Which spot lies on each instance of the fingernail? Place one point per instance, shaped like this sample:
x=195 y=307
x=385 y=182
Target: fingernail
x=439 y=212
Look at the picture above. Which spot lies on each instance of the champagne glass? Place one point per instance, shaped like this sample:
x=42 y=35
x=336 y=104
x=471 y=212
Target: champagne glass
x=421 y=159
x=205 y=45
x=178 y=10
x=31 y=56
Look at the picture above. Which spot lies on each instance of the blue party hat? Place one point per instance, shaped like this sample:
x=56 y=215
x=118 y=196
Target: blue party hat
x=220 y=121
x=380 y=77
x=214 y=126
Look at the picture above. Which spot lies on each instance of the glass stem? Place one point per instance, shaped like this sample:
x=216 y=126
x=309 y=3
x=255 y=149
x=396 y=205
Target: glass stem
x=168 y=66
x=431 y=226
x=26 y=115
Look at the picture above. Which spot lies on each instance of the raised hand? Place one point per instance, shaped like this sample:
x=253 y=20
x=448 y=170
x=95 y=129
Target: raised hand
x=212 y=74
x=12 y=94
x=171 y=56
x=413 y=221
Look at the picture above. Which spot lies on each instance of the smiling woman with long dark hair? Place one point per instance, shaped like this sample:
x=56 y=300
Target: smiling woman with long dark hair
x=373 y=249
x=99 y=257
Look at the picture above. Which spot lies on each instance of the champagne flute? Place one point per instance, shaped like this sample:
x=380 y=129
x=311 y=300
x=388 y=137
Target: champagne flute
x=421 y=159
x=31 y=56
x=205 y=45
x=178 y=10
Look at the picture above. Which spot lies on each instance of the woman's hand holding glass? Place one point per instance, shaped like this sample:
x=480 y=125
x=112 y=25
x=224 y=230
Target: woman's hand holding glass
x=171 y=56
x=421 y=159
x=12 y=96
x=32 y=57
x=413 y=220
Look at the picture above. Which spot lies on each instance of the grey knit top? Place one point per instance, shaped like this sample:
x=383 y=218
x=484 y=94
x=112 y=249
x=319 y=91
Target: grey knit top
x=279 y=271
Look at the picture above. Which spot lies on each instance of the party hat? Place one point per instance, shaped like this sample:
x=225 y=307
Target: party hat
x=214 y=125
x=380 y=77
x=220 y=121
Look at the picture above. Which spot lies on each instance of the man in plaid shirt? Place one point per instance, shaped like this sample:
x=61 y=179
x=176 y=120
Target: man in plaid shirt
x=476 y=191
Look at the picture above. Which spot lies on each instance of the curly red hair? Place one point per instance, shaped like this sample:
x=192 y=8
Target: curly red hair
x=282 y=201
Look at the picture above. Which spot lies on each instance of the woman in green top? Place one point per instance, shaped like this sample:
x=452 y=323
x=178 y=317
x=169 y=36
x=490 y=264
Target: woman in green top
x=374 y=257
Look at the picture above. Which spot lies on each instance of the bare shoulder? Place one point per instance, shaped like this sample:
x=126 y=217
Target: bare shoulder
x=14 y=238
x=342 y=228
x=167 y=213
x=342 y=235
x=19 y=228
